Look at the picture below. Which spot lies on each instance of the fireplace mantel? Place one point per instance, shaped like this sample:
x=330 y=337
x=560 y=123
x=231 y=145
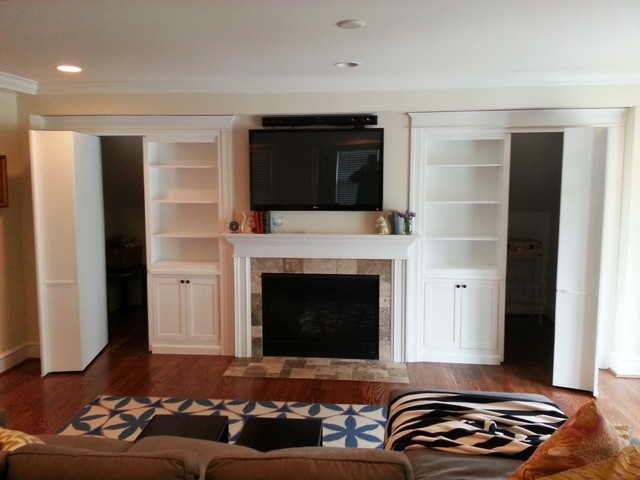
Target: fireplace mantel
x=396 y=248
x=303 y=245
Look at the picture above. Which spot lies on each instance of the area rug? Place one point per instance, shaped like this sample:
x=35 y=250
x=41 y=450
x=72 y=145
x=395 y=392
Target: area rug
x=318 y=369
x=123 y=418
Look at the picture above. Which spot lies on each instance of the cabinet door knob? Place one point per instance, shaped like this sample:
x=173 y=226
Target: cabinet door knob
x=464 y=286
x=457 y=286
x=186 y=281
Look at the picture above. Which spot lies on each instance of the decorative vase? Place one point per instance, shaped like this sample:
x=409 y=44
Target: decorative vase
x=408 y=226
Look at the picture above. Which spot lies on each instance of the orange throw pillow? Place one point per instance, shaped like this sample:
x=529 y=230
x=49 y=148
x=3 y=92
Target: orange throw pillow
x=12 y=439
x=584 y=438
x=624 y=466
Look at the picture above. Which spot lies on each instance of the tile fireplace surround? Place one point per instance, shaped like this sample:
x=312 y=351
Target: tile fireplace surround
x=337 y=266
x=384 y=255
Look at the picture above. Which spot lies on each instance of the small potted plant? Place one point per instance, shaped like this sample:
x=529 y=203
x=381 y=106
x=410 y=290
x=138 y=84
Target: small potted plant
x=407 y=217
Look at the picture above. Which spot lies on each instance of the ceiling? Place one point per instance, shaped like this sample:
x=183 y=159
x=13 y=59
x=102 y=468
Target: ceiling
x=131 y=46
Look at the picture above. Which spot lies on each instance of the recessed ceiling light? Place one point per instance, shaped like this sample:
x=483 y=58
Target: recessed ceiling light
x=346 y=64
x=350 y=24
x=69 y=68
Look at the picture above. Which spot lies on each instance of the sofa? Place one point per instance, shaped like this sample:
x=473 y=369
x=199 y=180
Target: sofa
x=56 y=457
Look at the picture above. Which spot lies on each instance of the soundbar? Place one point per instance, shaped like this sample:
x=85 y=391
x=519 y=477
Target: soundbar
x=358 y=120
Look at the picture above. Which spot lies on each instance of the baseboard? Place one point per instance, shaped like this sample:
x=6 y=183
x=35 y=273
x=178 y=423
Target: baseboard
x=11 y=358
x=186 y=349
x=475 y=359
x=624 y=366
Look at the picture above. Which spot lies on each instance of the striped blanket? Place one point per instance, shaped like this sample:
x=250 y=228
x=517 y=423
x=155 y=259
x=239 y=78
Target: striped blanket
x=472 y=424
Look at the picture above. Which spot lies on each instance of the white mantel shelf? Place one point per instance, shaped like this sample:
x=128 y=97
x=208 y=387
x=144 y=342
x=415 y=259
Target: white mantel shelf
x=396 y=248
x=305 y=245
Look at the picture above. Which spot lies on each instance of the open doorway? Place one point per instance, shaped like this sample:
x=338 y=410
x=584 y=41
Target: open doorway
x=534 y=212
x=124 y=218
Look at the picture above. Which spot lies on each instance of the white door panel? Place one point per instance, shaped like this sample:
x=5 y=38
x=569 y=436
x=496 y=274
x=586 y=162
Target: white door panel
x=66 y=176
x=581 y=209
x=579 y=254
x=574 y=348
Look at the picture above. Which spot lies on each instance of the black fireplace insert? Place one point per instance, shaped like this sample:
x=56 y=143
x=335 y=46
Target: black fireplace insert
x=319 y=315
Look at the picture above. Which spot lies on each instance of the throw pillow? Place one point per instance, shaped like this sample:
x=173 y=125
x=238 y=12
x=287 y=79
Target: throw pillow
x=624 y=466
x=12 y=439
x=584 y=438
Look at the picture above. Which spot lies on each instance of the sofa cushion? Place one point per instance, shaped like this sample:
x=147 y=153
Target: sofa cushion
x=86 y=442
x=3 y=462
x=205 y=449
x=53 y=462
x=429 y=464
x=310 y=463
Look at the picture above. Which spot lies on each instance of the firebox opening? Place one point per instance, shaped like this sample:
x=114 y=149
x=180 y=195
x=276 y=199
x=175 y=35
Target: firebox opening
x=319 y=315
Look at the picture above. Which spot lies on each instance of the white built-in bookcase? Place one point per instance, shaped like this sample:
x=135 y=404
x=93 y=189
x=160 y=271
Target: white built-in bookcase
x=464 y=203
x=460 y=195
x=184 y=203
x=188 y=205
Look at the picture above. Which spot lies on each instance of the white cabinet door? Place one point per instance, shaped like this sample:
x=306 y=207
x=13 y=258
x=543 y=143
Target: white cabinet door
x=479 y=303
x=461 y=322
x=441 y=315
x=202 y=301
x=167 y=309
x=185 y=314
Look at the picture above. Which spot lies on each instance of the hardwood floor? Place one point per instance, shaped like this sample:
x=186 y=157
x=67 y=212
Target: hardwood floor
x=125 y=367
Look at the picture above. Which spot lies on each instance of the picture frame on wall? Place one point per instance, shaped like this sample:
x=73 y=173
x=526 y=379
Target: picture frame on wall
x=4 y=187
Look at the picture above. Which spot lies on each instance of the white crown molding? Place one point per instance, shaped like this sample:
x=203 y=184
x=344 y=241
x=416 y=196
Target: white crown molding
x=133 y=124
x=506 y=119
x=342 y=83
x=18 y=84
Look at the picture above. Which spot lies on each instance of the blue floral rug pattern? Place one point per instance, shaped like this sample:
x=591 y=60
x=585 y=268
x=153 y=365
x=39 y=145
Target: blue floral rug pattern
x=123 y=418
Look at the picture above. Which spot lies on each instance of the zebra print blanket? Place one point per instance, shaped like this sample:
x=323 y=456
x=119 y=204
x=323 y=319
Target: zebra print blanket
x=472 y=424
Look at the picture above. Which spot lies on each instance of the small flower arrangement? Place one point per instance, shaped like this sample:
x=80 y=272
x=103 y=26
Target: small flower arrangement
x=406 y=214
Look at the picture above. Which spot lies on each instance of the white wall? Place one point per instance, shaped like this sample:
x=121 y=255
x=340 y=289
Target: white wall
x=14 y=331
x=625 y=355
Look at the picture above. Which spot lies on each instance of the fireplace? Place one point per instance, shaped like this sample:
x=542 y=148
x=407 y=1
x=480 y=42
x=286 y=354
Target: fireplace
x=308 y=253
x=334 y=267
x=320 y=315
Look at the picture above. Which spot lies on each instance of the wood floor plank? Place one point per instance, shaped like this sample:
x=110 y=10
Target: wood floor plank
x=42 y=405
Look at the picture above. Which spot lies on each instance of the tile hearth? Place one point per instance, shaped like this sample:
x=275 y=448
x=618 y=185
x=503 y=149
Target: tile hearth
x=318 y=369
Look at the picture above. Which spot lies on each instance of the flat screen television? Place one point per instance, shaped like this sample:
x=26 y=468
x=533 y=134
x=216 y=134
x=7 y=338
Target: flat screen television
x=316 y=169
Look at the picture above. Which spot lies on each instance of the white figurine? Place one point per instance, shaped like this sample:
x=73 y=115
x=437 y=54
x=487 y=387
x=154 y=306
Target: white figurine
x=277 y=223
x=382 y=225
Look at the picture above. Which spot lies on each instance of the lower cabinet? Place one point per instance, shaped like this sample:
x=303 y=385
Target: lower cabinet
x=184 y=313
x=462 y=321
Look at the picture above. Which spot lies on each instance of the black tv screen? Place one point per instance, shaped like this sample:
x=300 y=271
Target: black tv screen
x=316 y=169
